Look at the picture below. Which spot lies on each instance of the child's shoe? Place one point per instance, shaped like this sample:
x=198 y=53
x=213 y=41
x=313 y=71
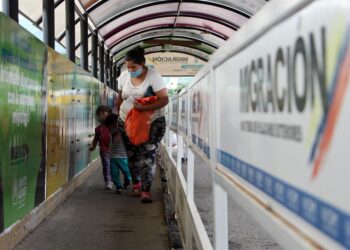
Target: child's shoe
x=146 y=197
x=119 y=190
x=108 y=185
x=136 y=188
x=126 y=185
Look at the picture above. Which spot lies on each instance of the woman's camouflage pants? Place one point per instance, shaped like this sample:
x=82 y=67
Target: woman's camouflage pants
x=142 y=157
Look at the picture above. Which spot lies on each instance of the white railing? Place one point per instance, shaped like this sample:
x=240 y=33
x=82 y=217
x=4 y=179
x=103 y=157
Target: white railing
x=270 y=114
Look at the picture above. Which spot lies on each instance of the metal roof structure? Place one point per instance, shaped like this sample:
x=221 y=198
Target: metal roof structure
x=195 y=27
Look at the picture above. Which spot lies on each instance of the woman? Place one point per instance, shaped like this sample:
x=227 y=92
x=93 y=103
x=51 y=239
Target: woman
x=136 y=82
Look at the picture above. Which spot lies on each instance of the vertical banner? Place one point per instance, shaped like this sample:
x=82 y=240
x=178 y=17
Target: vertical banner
x=59 y=88
x=183 y=113
x=82 y=110
x=175 y=112
x=22 y=121
x=200 y=102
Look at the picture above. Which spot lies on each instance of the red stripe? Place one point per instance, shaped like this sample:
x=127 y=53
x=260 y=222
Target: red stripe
x=333 y=114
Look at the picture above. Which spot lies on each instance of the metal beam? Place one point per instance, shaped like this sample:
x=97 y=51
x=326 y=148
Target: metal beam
x=49 y=22
x=112 y=74
x=70 y=30
x=101 y=57
x=84 y=42
x=10 y=8
x=94 y=45
x=107 y=73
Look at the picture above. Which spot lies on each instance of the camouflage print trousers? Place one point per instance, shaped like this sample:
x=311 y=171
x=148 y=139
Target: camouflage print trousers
x=141 y=158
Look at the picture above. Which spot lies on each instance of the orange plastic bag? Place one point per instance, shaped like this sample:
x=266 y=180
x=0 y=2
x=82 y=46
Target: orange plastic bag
x=138 y=123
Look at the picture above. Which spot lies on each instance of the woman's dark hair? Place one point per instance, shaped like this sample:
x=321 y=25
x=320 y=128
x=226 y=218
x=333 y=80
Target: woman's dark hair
x=111 y=120
x=137 y=55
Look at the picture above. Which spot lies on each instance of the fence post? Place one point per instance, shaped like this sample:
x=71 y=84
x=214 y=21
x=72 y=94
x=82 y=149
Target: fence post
x=180 y=146
x=190 y=174
x=220 y=218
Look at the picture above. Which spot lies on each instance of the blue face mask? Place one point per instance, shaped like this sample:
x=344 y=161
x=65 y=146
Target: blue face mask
x=136 y=73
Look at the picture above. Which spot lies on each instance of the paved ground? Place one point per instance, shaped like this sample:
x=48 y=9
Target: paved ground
x=244 y=232
x=95 y=219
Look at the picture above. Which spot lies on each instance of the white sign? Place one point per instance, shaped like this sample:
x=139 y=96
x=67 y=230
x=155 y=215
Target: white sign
x=174 y=64
x=284 y=119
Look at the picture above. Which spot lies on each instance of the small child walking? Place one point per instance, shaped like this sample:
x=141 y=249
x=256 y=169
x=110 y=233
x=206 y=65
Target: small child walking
x=102 y=138
x=118 y=157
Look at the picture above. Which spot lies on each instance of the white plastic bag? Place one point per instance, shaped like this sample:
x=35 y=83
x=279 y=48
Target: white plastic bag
x=127 y=105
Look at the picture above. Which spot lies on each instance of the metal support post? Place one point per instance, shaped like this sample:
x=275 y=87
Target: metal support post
x=220 y=218
x=70 y=30
x=190 y=174
x=101 y=57
x=84 y=42
x=94 y=45
x=107 y=68
x=49 y=22
x=180 y=146
x=10 y=8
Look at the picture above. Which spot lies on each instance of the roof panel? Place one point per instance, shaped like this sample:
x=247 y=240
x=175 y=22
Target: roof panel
x=204 y=11
x=31 y=8
x=60 y=21
x=154 y=23
x=138 y=16
x=191 y=22
x=111 y=8
x=87 y=3
x=183 y=32
x=205 y=46
x=208 y=10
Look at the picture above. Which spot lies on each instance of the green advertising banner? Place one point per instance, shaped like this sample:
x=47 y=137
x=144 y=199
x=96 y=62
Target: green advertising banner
x=58 y=100
x=82 y=114
x=22 y=121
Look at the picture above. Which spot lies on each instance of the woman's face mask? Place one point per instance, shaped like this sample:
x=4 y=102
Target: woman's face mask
x=136 y=73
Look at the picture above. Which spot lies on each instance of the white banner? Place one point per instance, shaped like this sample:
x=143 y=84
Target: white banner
x=200 y=102
x=174 y=113
x=183 y=113
x=284 y=120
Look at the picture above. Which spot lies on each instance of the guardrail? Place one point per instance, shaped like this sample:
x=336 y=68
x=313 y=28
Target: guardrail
x=270 y=113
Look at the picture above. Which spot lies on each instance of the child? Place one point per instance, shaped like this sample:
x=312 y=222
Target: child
x=102 y=137
x=118 y=157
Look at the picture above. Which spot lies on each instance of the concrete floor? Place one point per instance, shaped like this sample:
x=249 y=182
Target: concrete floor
x=95 y=219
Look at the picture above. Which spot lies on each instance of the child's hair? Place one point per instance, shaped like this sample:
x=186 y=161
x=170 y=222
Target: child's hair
x=111 y=120
x=103 y=108
x=137 y=55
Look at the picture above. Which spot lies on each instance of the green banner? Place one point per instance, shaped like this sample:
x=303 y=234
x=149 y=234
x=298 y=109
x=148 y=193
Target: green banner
x=22 y=121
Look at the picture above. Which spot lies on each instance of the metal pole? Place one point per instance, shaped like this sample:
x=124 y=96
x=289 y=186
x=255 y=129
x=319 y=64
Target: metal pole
x=112 y=74
x=10 y=8
x=101 y=57
x=94 y=45
x=70 y=30
x=107 y=78
x=84 y=42
x=110 y=65
x=49 y=22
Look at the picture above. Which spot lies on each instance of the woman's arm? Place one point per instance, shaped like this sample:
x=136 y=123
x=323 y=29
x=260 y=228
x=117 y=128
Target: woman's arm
x=161 y=102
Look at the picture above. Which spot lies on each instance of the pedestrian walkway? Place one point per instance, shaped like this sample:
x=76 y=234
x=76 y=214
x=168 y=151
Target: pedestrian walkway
x=92 y=218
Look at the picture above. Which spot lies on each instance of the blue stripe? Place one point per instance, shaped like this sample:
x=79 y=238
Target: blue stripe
x=328 y=219
x=205 y=148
